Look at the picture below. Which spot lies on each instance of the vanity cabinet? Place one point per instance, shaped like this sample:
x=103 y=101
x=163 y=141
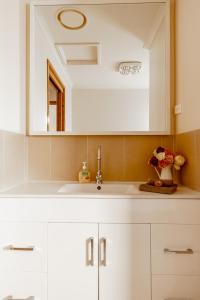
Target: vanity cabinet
x=105 y=261
x=99 y=248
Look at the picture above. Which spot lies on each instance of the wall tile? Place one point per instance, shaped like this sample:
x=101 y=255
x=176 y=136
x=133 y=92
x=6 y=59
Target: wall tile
x=167 y=141
x=67 y=156
x=138 y=150
x=39 y=158
x=189 y=145
x=59 y=158
x=123 y=157
x=112 y=156
x=12 y=159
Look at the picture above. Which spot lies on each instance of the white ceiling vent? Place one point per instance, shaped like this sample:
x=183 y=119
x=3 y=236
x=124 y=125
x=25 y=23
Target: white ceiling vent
x=79 y=53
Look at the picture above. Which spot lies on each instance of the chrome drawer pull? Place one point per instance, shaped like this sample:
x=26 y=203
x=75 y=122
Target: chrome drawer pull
x=187 y=251
x=13 y=248
x=11 y=298
x=90 y=251
x=103 y=252
x=177 y=298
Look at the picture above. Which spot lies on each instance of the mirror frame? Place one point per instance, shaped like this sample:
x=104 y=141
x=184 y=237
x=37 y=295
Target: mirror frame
x=52 y=76
x=170 y=66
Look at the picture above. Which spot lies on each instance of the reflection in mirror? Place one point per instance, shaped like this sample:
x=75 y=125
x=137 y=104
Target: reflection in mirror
x=113 y=60
x=56 y=101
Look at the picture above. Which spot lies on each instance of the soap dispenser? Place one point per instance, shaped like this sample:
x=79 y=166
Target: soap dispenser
x=84 y=174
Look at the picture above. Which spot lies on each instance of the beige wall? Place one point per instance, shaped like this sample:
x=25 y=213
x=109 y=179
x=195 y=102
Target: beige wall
x=188 y=144
x=12 y=93
x=188 y=64
x=12 y=159
x=187 y=140
x=12 y=62
x=123 y=157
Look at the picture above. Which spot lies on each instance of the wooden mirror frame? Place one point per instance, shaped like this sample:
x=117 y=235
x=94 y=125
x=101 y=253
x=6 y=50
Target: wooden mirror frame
x=53 y=77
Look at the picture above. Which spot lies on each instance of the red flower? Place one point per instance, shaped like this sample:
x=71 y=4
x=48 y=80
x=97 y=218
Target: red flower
x=153 y=161
x=163 y=163
x=168 y=152
x=169 y=159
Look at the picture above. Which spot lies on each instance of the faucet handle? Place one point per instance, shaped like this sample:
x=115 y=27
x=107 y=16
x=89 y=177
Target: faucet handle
x=99 y=178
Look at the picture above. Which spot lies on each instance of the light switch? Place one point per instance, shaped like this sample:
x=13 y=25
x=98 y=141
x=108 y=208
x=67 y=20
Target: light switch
x=178 y=109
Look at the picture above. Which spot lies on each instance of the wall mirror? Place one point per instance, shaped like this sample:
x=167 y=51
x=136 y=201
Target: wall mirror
x=99 y=68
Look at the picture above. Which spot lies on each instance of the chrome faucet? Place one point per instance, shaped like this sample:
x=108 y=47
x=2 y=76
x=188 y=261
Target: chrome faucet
x=99 y=179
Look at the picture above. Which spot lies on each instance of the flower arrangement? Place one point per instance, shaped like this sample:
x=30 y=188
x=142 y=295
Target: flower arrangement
x=163 y=158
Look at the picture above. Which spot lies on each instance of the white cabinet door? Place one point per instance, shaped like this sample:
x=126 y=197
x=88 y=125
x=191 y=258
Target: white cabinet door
x=73 y=261
x=124 y=271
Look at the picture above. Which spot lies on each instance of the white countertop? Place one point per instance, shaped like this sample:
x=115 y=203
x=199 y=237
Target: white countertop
x=50 y=190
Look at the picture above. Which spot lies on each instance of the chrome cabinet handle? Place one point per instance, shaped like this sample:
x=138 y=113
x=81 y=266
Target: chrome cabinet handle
x=103 y=252
x=175 y=298
x=13 y=248
x=11 y=298
x=187 y=251
x=90 y=251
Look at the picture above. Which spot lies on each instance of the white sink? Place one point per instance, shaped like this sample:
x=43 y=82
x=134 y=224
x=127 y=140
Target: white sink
x=106 y=188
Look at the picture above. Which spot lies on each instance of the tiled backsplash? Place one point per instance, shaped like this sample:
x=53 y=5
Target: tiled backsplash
x=123 y=157
x=189 y=145
x=12 y=159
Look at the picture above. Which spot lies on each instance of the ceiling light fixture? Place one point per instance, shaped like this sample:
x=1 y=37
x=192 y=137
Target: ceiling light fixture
x=66 y=11
x=129 y=67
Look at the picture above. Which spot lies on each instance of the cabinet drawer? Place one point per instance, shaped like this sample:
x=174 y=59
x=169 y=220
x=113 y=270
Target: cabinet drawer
x=23 y=247
x=31 y=286
x=175 y=287
x=175 y=249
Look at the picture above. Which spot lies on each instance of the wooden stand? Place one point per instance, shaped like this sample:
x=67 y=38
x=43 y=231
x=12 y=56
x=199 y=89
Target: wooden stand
x=158 y=189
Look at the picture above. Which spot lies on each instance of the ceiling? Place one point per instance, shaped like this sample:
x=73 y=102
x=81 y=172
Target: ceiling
x=119 y=32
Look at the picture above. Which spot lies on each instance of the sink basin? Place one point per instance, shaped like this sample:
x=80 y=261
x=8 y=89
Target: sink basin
x=106 y=188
